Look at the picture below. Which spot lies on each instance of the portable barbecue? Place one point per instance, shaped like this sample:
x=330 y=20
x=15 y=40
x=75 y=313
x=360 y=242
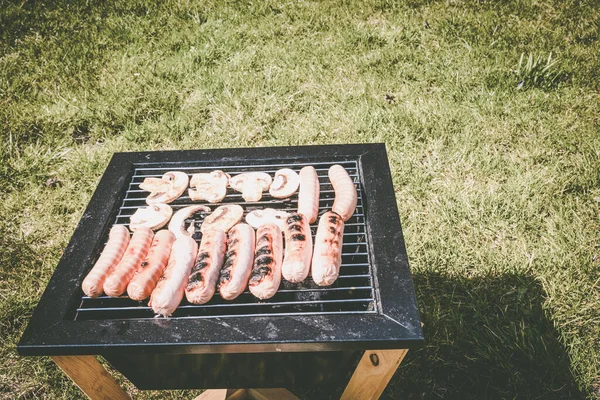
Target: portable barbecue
x=297 y=339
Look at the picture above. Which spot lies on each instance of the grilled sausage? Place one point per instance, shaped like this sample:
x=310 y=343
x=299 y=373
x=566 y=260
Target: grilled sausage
x=116 y=282
x=298 y=248
x=151 y=269
x=266 y=272
x=235 y=273
x=345 y=192
x=118 y=239
x=170 y=287
x=308 y=197
x=327 y=256
x=202 y=281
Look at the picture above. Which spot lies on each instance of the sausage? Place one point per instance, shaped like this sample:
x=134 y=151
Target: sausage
x=236 y=270
x=118 y=239
x=266 y=272
x=170 y=287
x=308 y=197
x=116 y=282
x=202 y=282
x=151 y=269
x=327 y=256
x=298 y=248
x=345 y=192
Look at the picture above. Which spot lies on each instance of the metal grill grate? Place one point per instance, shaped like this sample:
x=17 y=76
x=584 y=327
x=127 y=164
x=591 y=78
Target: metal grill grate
x=353 y=292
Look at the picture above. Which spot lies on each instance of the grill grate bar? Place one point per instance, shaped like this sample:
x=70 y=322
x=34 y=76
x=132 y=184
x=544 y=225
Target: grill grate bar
x=329 y=289
x=270 y=314
x=263 y=167
x=137 y=179
x=175 y=207
x=353 y=292
x=192 y=306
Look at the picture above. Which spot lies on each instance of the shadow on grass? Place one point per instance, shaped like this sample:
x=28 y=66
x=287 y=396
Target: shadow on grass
x=484 y=338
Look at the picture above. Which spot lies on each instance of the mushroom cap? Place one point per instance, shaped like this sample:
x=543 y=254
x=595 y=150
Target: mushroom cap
x=177 y=222
x=155 y=216
x=223 y=218
x=155 y=185
x=173 y=185
x=251 y=184
x=285 y=184
x=211 y=187
x=257 y=218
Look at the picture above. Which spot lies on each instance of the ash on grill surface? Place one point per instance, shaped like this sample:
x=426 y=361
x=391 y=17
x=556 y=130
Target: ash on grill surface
x=353 y=292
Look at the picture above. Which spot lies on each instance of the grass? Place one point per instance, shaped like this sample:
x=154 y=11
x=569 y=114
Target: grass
x=489 y=110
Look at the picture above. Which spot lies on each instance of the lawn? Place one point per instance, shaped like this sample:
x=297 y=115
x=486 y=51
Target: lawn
x=490 y=111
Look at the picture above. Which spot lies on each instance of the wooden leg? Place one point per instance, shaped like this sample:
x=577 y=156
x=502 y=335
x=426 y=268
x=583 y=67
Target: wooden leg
x=271 y=394
x=91 y=377
x=222 y=394
x=371 y=376
x=247 y=394
x=239 y=394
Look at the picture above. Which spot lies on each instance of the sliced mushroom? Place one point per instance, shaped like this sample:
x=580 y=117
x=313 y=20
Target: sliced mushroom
x=165 y=189
x=257 y=218
x=285 y=184
x=210 y=187
x=223 y=218
x=155 y=185
x=251 y=184
x=178 y=221
x=155 y=216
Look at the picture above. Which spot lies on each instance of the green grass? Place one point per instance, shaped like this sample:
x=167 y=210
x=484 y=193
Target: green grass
x=489 y=110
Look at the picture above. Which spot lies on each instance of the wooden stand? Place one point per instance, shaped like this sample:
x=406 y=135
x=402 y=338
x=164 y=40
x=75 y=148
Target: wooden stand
x=371 y=376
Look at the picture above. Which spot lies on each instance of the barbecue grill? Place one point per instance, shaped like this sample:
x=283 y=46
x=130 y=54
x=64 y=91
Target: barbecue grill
x=297 y=339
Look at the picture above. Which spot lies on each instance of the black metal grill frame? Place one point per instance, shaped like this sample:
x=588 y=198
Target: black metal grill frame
x=392 y=321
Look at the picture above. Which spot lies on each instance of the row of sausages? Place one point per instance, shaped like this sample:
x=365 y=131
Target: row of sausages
x=167 y=265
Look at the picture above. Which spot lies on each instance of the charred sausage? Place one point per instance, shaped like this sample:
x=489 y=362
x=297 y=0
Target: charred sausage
x=118 y=239
x=116 y=282
x=345 y=192
x=151 y=269
x=170 y=287
x=266 y=272
x=235 y=273
x=202 y=281
x=298 y=248
x=308 y=197
x=327 y=256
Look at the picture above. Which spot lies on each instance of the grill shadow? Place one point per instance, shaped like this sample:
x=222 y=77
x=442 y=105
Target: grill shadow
x=487 y=338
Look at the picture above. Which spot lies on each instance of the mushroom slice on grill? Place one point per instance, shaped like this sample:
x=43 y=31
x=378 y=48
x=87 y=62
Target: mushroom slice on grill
x=211 y=187
x=251 y=184
x=257 y=218
x=285 y=184
x=155 y=216
x=166 y=189
x=223 y=218
x=178 y=221
x=155 y=185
